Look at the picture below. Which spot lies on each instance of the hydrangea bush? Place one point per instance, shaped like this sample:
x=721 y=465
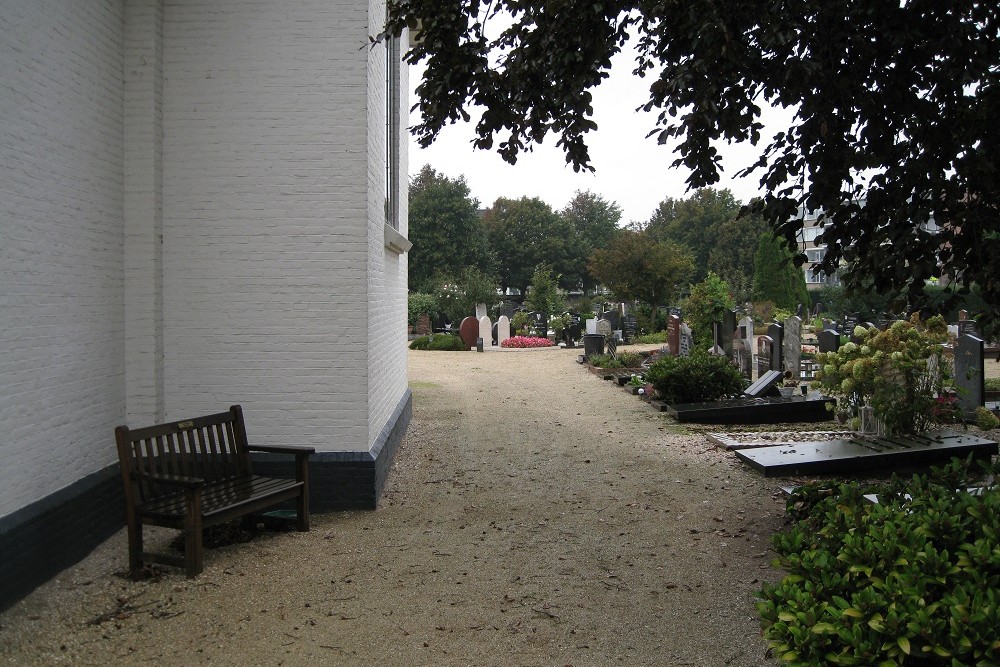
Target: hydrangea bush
x=900 y=373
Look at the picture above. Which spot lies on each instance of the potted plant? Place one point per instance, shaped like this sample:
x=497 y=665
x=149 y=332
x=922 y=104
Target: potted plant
x=891 y=381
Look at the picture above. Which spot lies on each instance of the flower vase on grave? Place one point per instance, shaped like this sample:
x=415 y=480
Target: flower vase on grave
x=870 y=424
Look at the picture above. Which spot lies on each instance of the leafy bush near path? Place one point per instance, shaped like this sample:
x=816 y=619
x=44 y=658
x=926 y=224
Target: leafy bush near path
x=698 y=377
x=912 y=580
x=439 y=342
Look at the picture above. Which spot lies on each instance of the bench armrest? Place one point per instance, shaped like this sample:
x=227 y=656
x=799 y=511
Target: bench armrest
x=282 y=449
x=170 y=480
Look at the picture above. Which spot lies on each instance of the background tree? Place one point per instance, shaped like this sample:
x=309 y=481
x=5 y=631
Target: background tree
x=595 y=220
x=457 y=297
x=776 y=278
x=705 y=305
x=525 y=233
x=446 y=230
x=543 y=293
x=636 y=267
x=694 y=222
x=905 y=91
x=731 y=257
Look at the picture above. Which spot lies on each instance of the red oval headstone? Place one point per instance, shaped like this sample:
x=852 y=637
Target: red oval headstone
x=469 y=331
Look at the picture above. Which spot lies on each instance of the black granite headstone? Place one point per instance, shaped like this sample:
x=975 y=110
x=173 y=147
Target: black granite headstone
x=776 y=333
x=828 y=340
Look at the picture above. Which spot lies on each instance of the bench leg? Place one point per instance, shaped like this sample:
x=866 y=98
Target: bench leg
x=302 y=475
x=134 y=547
x=193 y=563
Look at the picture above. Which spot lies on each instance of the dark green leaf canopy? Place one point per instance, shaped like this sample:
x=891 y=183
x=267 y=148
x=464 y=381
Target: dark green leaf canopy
x=895 y=136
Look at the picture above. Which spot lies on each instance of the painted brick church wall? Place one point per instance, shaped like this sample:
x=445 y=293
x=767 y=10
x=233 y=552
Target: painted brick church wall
x=61 y=239
x=264 y=217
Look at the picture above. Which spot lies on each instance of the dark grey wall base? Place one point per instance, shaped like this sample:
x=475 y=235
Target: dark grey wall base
x=347 y=480
x=44 y=538
x=41 y=540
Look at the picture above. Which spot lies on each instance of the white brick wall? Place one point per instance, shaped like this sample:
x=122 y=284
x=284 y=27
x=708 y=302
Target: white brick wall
x=191 y=216
x=61 y=305
x=387 y=274
x=265 y=216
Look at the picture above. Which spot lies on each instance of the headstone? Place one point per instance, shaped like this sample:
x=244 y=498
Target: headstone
x=613 y=317
x=506 y=309
x=630 y=327
x=480 y=311
x=743 y=347
x=539 y=324
x=728 y=332
x=573 y=332
x=604 y=328
x=485 y=329
x=828 y=340
x=791 y=346
x=968 y=327
x=686 y=340
x=765 y=350
x=674 y=334
x=494 y=331
x=817 y=309
x=969 y=372
x=592 y=326
x=441 y=323
x=776 y=333
x=503 y=329
x=468 y=330
x=848 y=323
x=423 y=327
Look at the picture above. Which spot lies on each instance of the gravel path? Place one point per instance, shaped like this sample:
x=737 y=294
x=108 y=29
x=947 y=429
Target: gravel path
x=537 y=515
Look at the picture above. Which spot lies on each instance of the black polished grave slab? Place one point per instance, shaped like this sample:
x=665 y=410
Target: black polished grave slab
x=768 y=410
x=864 y=453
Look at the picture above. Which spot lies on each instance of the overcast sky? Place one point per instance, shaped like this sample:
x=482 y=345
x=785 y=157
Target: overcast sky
x=630 y=169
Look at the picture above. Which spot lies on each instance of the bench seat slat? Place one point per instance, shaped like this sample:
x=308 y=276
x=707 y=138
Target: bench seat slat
x=235 y=493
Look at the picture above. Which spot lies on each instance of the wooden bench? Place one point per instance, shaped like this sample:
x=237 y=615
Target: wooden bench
x=196 y=473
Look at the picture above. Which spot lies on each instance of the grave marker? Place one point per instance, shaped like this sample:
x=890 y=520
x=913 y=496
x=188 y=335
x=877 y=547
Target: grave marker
x=791 y=346
x=776 y=333
x=468 y=330
x=674 y=334
x=485 y=329
x=630 y=326
x=765 y=350
x=828 y=340
x=686 y=340
x=503 y=329
x=728 y=332
x=969 y=372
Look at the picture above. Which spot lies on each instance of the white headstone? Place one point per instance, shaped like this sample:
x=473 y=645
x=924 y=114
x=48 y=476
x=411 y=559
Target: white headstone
x=604 y=327
x=503 y=329
x=486 y=330
x=592 y=326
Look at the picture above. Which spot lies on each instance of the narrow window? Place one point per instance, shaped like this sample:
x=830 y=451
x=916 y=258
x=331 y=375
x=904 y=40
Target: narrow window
x=392 y=133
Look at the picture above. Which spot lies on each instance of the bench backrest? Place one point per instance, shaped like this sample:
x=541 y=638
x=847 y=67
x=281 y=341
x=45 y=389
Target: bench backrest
x=212 y=447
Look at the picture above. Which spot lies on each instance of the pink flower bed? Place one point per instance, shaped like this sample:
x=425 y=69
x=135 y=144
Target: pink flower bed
x=526 y=341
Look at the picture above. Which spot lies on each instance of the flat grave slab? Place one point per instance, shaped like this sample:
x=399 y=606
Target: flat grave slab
x=768 y=410
x=731 y=441
x=864 y=453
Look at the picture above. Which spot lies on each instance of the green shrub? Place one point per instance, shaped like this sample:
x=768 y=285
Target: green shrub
x=604 y=361
x=985 y=419
x=991 y=384
x=696 y=378
x=914 y=579
x=420 y=302
x=658 y=338
x=630 y=359
x=439 y=342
